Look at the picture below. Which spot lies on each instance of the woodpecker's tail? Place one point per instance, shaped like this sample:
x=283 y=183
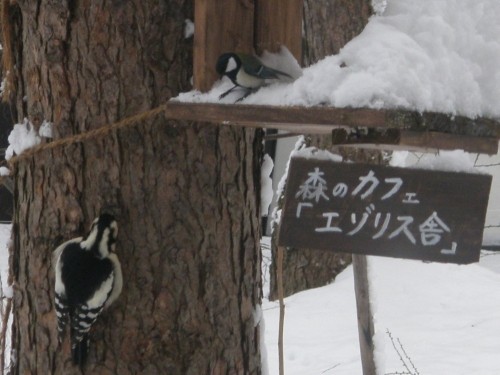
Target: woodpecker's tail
x=79 y=350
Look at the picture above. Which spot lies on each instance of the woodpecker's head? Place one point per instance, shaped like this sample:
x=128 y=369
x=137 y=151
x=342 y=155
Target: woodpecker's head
x=102 y=236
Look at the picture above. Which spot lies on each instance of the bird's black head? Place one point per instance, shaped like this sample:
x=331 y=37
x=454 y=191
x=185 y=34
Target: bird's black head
x=228 y=64
x=105 y=220
x=102 y=235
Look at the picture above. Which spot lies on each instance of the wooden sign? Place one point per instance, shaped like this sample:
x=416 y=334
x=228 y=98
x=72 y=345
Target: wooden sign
x=387 y=211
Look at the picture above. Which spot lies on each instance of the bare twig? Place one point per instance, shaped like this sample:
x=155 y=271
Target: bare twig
x=330 y=368
x=405 y=359
x=475 y=161
x=408 y=357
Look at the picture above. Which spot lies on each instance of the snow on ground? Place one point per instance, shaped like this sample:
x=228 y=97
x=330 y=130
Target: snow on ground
x=445 y=317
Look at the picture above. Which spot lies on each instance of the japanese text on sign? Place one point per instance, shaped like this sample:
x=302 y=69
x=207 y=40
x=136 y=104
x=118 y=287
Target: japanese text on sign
x=386 y=211
x=380 y=224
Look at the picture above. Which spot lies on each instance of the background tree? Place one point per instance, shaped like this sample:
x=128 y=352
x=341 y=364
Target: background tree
x=328 y=26
x=185 y=194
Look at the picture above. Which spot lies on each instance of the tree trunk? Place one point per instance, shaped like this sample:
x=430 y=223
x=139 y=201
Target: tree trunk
x=185 y=196
x=328 y=26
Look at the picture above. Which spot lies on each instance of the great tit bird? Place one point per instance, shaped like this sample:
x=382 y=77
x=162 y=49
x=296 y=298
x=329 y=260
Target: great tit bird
x=245 y=71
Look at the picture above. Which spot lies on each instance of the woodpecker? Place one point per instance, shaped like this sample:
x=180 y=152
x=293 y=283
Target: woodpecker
x=88 y=279
x=245 y=71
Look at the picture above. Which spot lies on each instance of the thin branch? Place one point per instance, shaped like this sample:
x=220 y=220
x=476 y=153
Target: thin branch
x=475 y=161
x=402 y=353
x=330 y=368
x=408 y=357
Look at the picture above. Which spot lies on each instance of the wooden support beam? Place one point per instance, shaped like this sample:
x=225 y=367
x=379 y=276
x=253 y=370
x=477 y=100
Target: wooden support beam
x=366 y=328
x=279 y=22
x=434 y=141
x=220 y=26
x=313 y=120
x=430 y=141
x=423 y=131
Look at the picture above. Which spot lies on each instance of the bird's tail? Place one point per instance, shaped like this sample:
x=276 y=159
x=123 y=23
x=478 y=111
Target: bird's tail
x=79 y=350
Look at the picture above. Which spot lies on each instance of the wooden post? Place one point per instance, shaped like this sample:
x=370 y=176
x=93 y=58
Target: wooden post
x=365 y=317
x=279 y=22
x=220 y=26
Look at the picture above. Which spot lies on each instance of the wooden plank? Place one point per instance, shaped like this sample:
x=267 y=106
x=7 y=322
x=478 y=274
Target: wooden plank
x=322 y=120
x=220 y=26
x=278 y=22
x=366 y=328
x=430 y=141
x=444 y=141
x=318 y=120
x=386 y=211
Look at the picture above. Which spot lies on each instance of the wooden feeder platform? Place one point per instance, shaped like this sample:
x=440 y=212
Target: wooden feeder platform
x=391 y=129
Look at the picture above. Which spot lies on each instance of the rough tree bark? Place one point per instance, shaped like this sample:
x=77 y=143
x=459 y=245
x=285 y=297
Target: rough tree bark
x=185 y=195
x=328 y=26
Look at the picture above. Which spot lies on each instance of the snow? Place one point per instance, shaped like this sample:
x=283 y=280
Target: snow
x=22 y=137
x=45 y=130
x=428 y=55
x=188 y=28
x=4 y=258
x=4 y=171
x=266 y=182
x=451 y=161
x=445 y=316
x=317 y=154
x=276 y=214
x=379 y=6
